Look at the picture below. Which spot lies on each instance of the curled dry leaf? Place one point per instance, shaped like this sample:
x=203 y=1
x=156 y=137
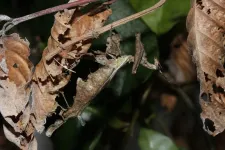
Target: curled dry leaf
x=52 y=75
x=15 y=76
x=206 y=26
x=22 y=116
x=180 y=62
x=87 y=90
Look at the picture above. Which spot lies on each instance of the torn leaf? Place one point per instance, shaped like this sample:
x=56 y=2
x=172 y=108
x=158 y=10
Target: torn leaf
x=51 y=76
x=87 y=90
x=15 y=91
x=206 y=26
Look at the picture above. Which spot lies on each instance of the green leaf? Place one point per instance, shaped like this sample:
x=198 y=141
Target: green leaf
x=152 y=140
x=116 y=123
x=163 y=19
x=121 y=9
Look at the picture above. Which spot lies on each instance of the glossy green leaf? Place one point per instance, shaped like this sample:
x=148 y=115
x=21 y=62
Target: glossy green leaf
x=163 y=19
x=152 y=140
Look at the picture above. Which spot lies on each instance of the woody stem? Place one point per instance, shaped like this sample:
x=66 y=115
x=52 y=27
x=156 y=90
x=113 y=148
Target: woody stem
x=18 y=20
x=105 y=28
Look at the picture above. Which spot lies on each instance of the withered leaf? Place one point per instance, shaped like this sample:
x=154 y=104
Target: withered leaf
x=15 y=76
x=206 y=24
x=50 y=76
x=87 y=90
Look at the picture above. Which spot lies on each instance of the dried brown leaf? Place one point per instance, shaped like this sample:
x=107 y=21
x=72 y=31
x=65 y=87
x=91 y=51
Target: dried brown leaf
x=87 y=90
x=51 y=76
x=206 y=24
x=15 y=76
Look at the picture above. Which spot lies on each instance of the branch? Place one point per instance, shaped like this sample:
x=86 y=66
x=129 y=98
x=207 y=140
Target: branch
x=108 y=27
x=8 y=25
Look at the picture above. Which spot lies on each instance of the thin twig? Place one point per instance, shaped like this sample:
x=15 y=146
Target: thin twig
x=65 y=67
x=18 y=20
x=105 y=28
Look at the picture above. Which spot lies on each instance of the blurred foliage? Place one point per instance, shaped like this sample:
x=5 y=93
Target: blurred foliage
x=163 y=19
x=128 y=113
x=152 y=140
